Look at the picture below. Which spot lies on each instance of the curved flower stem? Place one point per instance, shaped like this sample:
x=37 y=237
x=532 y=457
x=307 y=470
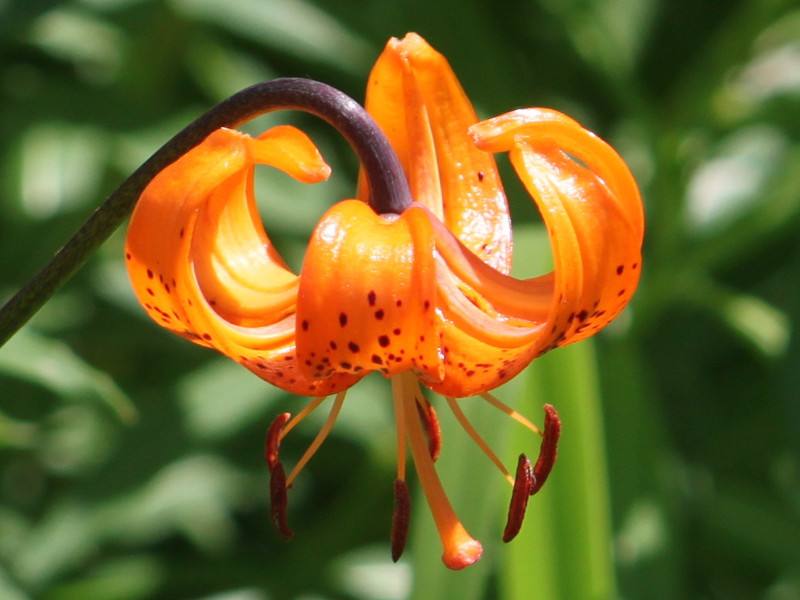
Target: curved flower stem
x=388 y=185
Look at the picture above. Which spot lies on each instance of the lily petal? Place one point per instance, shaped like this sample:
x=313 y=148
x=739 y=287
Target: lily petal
x=202 y=265
x=494 y=325
x=593 y=215
x=417 y=100
x=367 y=295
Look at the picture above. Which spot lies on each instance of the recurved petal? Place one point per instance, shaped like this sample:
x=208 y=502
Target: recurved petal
x=202 y=265
x=592 y=210
x=367 y=294
x=493 y=325
x=417 y=100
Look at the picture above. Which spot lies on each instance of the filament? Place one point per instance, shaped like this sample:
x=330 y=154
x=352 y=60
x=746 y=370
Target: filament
x=476 y=437
x=519 y=418
x=323 y=433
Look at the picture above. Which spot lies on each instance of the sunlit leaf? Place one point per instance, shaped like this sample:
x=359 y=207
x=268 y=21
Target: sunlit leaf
x=294 y=26
x=564 y=549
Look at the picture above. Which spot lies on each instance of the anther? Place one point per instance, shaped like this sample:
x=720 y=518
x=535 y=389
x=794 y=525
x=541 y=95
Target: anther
x=433 y=431
x=548 y=449
x=277 y=477
x=523 y=484
x=400 y=518
x=273 y=441
x=279 y=501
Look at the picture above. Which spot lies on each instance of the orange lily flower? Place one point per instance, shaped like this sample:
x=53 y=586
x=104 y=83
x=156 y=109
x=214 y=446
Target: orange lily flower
x=422 y=295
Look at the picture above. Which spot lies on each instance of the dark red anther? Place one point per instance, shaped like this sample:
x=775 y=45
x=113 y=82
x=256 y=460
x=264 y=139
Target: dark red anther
x=400 y=519
x=523 y=484
x=279 y=501
x=273 y=441
x=432 y=429
x=548 y=449
x=277 y=477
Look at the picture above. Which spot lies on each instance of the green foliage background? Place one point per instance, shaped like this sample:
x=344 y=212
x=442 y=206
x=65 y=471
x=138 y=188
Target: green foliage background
x=131 y=462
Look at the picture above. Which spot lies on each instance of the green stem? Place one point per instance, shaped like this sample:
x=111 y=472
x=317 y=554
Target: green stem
x=388 y=185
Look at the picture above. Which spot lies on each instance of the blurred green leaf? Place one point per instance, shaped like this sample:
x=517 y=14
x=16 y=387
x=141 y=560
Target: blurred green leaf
x=8 y=590
x=568 y=527
x=294 y=26
x=54 y=366
x=698 y=379
x=220 y=400
x=129 y=578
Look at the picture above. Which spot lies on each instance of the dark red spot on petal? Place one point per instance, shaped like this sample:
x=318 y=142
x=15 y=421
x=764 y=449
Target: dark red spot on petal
x=384 y=341
x=342 y=319
x=372 y=297
x=353 y=347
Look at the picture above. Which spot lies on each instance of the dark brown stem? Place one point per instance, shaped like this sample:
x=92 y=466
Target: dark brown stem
x=387 y=182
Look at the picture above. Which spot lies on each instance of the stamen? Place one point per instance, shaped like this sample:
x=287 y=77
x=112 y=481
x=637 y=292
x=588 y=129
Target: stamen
x=460 y=549
x=323 y=433
x=278 y=501
x=303 y=414
x=549 y=448
x=277 y=478
x=519 y=418
x=273 y=441
x=431 y=422
x=402 y=500
x=523 y=483
x=476 y=437
x=400 y=519
x=400 y=418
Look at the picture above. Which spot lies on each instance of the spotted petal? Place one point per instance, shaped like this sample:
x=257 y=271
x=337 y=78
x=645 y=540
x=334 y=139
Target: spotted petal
x=367 y=294
x=494 y=325
x=417 y=100
x=202 y=265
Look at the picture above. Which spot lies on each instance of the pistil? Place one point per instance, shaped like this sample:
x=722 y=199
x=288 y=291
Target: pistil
x=460 y=549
